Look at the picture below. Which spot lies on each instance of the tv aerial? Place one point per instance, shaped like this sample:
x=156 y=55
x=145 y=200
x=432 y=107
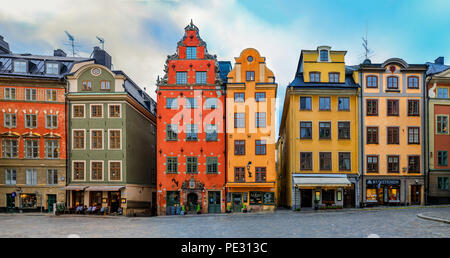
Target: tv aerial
x=71 y=42
x=102 y=41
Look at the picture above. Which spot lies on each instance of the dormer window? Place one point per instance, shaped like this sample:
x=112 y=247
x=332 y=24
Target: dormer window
x=191 y=52
x=52 y=68
x=324 y=55
x=20 y=66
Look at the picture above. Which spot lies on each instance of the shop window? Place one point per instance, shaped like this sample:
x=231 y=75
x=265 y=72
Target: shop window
x=28 y=200
x=317 y=196
x=371 y=194
x=256 y=198
x=394 y=193
x=327 y=196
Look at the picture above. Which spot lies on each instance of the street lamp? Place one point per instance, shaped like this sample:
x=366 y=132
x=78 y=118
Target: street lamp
x=248 y=169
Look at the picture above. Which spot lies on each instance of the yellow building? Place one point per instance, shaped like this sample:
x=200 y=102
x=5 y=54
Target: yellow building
x=319 y=133
x=250 y=119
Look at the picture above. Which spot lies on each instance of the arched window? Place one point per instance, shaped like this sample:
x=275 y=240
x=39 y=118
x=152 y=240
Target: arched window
x=413 y=82
x=372 y=81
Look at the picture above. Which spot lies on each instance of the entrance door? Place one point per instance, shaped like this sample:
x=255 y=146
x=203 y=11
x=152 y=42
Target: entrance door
x=78 y=199
x=306 y=198
x=192 y=202
x=114 y=199
x=173 y=199
x=51 y=199
x=349 y=197
x=237 y=202
x=10 y=202
x=214 y=202
x=415 y=194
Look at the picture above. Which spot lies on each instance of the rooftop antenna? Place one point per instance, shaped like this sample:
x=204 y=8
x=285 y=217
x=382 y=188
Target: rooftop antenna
x=367 y=52
x=72 y=42
x=102 y=41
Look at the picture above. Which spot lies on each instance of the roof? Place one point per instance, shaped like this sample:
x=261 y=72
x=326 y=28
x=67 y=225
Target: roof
x=348 y=84
x=224 y=68
x=434 y=68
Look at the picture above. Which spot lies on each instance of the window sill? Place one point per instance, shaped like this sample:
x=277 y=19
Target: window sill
x=392 y=90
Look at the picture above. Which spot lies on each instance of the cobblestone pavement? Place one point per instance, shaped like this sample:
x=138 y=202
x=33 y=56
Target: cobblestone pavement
x=282 y=223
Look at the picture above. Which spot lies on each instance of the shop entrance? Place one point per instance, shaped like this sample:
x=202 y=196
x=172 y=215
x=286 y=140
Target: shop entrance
x=51 y=199
x=214 y=202
x=173 y=200
x=349 y=197
x=10 y=202
x=114 y=201
x=306 y=198
x=237 y=201
x=192 y=199
x=415 y=194
x=77 y=199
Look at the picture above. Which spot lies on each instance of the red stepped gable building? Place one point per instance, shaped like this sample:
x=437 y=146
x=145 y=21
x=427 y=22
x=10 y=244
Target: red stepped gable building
x=191 y=138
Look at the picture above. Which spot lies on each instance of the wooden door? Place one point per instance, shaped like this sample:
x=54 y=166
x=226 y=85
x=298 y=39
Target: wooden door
x=214 y=202
x=415 y=194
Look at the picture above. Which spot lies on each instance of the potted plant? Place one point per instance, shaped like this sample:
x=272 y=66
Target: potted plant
x=244 y=209
x=183 y=210
x=316 y=204
x=228 y=210
x=199 y=210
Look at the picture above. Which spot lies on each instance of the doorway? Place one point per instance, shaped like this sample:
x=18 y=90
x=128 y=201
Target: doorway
x=214 y=204
x=10 y=202
x=78 y=199
x=192 y=199
x=114 y=201
x=415 y=194
x=306 y=198
x=51 y=199
x=237 y=202
x=349 y=197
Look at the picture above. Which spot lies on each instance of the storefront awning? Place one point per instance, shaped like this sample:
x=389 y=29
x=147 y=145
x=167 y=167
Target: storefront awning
x=75 y=187
x=105 y=188
x=322 y=181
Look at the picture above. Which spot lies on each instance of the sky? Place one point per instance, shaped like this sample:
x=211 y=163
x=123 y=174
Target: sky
x=139 y=34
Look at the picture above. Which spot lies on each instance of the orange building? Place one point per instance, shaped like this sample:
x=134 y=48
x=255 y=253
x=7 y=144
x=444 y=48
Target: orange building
x=250 y=107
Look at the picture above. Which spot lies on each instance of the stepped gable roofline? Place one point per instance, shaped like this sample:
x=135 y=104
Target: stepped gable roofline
x=192 y=27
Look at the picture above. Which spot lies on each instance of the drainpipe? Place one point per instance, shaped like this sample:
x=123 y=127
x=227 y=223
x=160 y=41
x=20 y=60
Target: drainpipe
x=426 y=174
x=225 y=192
x=67 y=113
x=361 y=137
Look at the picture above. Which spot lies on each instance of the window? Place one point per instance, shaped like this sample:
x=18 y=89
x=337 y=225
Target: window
x=392 y=107
x=392 y=82
x=96 y=170
x=442 y=93
x=324 y=103
x=172 y=165
x=305 y=130
x=256 y=198
x=325 y=160
x=333 y=77
x=414 y=164
x=31 y=176
x=171 y=103
x=191 y=132
x=10 y=93
x=372 y=164
x=96 y=111
x=11 y=176
x=314 y=77
x=344 y=161
x=239 y=174
x=114 y=139
x=239 y=97
x=181 y=77
x=200 y=77
x=9 y=148
x=260 y=147
x=20 y=66
x=78 y=139
x=239 y=120
x=114 y=111
x=115 y=171
x=50 y=95
x=324 y=130
x=372 y=81
x=30 y=94
x=87 y=85
x=191 y=103
x=78 y=170
x=260 y=174
x=393 y=135
x=191 y=165
x=52 y=149
x=443 y=183
x=239 y=147
x=52 y=68
x=51 y=121
x=30 y=121
x=413 y=135
x=211 y=103
x=442 y=124
x=260 y=96
x=393 y=164
x=413 y=82
x=343 y=104
x=250 y=76
x=96 y=139
x=343 y=130
x=324 y=55
x=212 y=164
x=78 y=111
x=211 y=132
x=105 y=85
x=413 y=108
x=305 y=160
x=372 y=135
x=305 y=103
x=10 y=120
x=191 y=52
x=372 y=107
x=260 y=119
x=442 y=158
x=52 y=176
x=171 y=132
x=31 y=149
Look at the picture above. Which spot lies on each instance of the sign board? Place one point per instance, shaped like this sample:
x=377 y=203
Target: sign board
x=382 y=182
x=13 y=194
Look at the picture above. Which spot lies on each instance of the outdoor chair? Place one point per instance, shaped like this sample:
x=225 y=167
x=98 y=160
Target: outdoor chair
x=89 y=210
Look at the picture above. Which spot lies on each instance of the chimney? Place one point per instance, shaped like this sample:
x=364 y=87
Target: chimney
x=102 y=57
x=4 y=46
x=439 y=60
x=59 y=52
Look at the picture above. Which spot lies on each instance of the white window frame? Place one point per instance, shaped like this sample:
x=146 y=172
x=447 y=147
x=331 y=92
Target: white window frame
x=25 y=147
x=9 y=179
x=34 y=176
x=30 y=115
x=57 y=146
x=73 y=170
x=109 y=170
x=109 y=138
x=53 y=117
x=10 y=115
x=73 y=108
x=90 y=139
x=120 y=110
x=31 y=92
x=103 y=170
x=73 y=139
x=53 y=170
x=9 y=90
x=17 y=62
x=52 y=68
x=90 y=111
x=53 y=93
x=4 y=148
